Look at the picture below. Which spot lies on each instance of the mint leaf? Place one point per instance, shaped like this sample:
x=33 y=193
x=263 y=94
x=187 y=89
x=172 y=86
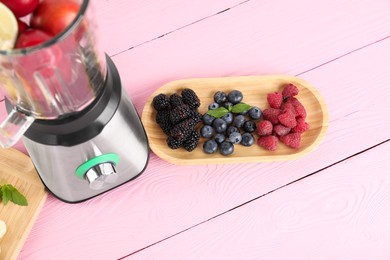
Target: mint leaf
x=10 y=193
x=219 y=112
x=16 y=196
x=240 y=107
x=6 y=194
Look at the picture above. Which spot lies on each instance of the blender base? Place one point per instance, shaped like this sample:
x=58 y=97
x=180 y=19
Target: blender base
x=88 y=154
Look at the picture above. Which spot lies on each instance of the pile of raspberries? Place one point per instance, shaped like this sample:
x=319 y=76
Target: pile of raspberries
x=177 y=115
x=284 y=120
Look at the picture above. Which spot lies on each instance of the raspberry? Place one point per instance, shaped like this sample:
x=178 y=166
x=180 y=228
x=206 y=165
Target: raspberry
x=288 y=106
x=175 y=100
x=173 y=143
x=290 y=90
x=164 y=121
x=190 y=98
x=288 y=119
x=301 y=126
x=281 y=130
x=292 y=140
x=275 y=99
x=271 y=114
x=192 y=141
x=268 y=142
x=264 y=128
x=160 y=102
x=179 y=113
x=299 y=108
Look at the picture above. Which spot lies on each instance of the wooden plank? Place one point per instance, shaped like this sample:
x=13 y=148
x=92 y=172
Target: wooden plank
x=339 y=213
x=123 y=24
x=256 y=38
x=168 y=198
x=252 y=39
x=17 y=169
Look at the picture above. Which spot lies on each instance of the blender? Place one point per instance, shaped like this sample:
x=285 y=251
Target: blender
x=66 y=102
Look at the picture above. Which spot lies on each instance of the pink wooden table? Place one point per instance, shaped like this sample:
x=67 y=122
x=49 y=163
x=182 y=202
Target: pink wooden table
x=334 y=203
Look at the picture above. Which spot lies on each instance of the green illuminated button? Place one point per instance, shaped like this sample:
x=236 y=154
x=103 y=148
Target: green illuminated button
x=101 y=159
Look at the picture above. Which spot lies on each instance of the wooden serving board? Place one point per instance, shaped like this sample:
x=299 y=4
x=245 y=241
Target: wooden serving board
x=255 y=90
x=17 y=169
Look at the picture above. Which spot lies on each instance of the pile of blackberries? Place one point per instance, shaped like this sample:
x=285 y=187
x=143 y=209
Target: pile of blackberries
x=177 y=115
x=228 y=122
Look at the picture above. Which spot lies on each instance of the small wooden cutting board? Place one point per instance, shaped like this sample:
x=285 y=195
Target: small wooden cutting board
x=17 y=169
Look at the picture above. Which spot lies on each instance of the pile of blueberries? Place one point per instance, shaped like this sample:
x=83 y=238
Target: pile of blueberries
x=229 y=128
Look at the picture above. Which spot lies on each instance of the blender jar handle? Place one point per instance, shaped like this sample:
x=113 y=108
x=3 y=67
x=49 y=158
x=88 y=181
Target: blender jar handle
x=13 y=127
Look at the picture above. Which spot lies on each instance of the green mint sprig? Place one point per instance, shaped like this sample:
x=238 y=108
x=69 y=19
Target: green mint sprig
x=221 y=111
x=10 y=193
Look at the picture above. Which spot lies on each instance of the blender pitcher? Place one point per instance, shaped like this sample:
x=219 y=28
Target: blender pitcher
x=66 y=102
x=52 y=80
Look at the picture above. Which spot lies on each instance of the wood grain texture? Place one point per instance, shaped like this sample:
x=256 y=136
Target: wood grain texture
x=17 y=169
x=124 y=24
x=255 y=38
x=339 y=213
x=168 y=198
x=346 y=57
x=255 y=90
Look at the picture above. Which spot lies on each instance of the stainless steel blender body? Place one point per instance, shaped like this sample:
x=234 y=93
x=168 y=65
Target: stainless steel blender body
x=104 y=146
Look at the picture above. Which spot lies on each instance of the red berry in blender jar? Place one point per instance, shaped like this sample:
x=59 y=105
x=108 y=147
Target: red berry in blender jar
x=21 y=8
x=31 y=37
x=53 y=16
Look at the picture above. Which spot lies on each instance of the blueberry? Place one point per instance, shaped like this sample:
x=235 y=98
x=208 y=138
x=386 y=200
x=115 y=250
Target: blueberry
x=207 y=131
x=255 y=113
x=207 y=119
x=219 y=125
x=213 y=106
x=238 y=121
x=226 y=148
x=247 y=139
x=228 y=118
x=235 y=96
x=235 y=138
x=219 y=138
x=232 y=129
x=210 y=146
x=219 y=97
x=249 y=126
x=227 y=105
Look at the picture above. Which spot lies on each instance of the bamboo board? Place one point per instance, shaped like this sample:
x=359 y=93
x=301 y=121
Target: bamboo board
x=17 y=169
x=255 y=90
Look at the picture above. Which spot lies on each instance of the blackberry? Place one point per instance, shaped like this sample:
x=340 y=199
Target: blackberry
x=182 y=130
x=190 y=98
x=164 y=121
x=179 y=113
x=175 y=100
x=194 y=114
x=192 y=141
x=160 y=102
x=173 y=143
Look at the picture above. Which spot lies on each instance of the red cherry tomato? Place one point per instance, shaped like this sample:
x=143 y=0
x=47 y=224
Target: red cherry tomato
x=54 y=16
x=31 y=37
x=21 y=8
